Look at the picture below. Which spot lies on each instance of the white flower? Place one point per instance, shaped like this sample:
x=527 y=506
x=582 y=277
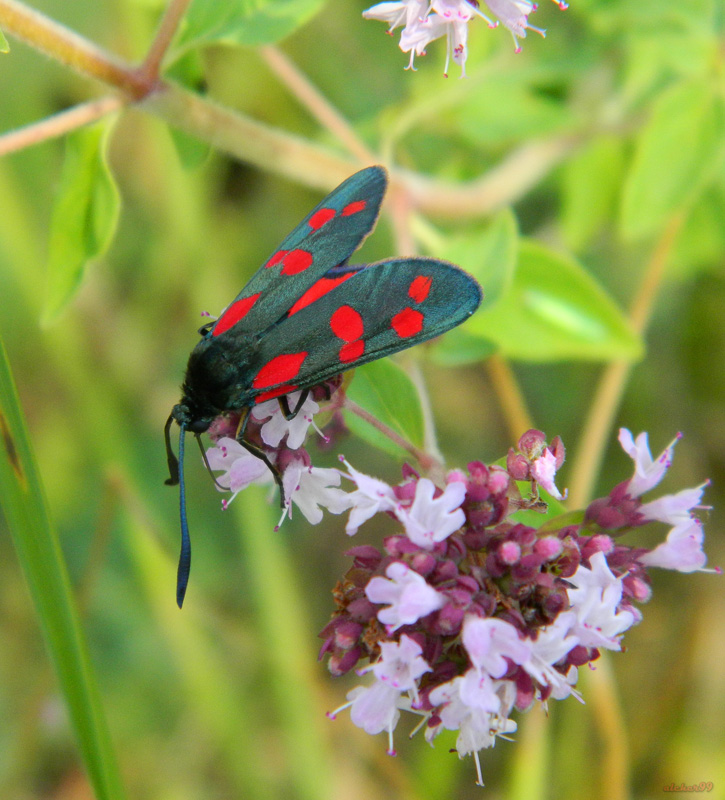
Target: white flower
x=409 y=595
x=595 y=600
x=674 y=509
x=401 y=664
x=240 y=467
x=543 y=471
x=489 y=642
x=376 y=708
x=647 y=473
x=370 y=497
x=430 y=520
x=311 y=487
x=515 y=16
x=277 y=427
x=550 y=646
x=405 y=13
x=682 y=551
x=477 y=728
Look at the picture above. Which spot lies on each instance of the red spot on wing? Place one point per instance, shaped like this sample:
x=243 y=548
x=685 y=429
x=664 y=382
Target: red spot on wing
x=276 y=258
x=236 y=311
x=317 y=290
x=296 y=261
x=419 y=288
x=272 y=393
x=347 y=324
x=351 y=351
x=353 y=208
x=407 y=323
x=321 y=217
x=280 y=369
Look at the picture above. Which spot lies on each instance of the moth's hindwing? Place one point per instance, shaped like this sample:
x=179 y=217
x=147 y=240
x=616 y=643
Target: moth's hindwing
x=327 y=237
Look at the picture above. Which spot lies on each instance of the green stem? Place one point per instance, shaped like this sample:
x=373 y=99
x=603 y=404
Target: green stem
x=66 y=46
x=426 y=461
x=167 y=29
x=608 y=395
x=59 y=124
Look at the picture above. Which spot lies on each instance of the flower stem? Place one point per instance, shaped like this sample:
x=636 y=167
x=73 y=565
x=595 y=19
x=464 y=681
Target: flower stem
x=59 y=124
x=69 y=48
x=510 y=396
x=316 y=103
x=167 y=28
x=426 y=461
x=608 y=394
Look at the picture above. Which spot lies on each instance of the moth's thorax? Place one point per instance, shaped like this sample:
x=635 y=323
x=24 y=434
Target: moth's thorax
x=213 y=383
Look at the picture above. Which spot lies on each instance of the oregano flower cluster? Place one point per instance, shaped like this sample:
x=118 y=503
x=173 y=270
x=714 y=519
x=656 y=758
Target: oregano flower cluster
x=466 y=613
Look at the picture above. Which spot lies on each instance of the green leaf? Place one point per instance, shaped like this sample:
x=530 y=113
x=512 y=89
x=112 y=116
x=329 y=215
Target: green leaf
x=188 y=70
x=678 y=152
x=248 y=22
x=590 y=185
x=459 y=347
x=84 y=216
x=555 y=311
x=489 y=254
x=41 y=559
x=4 y=46
x=385 y=390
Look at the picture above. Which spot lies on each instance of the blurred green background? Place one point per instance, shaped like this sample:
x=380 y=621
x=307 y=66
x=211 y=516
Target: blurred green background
x=225 y=699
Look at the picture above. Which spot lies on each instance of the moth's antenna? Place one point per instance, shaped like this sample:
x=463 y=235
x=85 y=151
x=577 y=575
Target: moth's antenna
x=182 y=574
x=173 y=478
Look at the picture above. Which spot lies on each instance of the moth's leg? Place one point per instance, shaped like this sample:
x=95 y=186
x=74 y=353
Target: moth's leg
x=284 y=405
x=257 y=452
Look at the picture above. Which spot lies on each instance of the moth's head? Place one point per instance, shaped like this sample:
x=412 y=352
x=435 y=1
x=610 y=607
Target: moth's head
x=190 y=418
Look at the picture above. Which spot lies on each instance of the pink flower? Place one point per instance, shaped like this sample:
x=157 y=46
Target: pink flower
x=432 y=519
x=277 y=427
x=647 y=472
x=489 y=642
x=408 y=595
x=370 y=497
x=240 y=467
x=682 y=551
x=311 y=489
x=595 y=599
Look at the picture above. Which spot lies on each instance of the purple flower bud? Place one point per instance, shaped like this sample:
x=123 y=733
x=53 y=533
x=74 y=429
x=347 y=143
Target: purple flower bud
x=365 y=556
x=548 y=547
x=447 y=621
x=509 y=552
x=346 y=634
x=362 y=610
x=532 y=443
x=423 y=562
x=517 y=466
x=339 y=665
x=557 y=448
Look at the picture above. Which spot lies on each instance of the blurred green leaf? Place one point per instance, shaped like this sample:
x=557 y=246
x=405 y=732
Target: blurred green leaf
x=590 y=185
x=4 y=46
x=554 y=311
x=41 y=559
x=248 y=22
x=488 y=253
x=489 y=119
x=385 y=390
x=84 y=216
x=677 y=153
x=188 y=70
x=458 y=347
